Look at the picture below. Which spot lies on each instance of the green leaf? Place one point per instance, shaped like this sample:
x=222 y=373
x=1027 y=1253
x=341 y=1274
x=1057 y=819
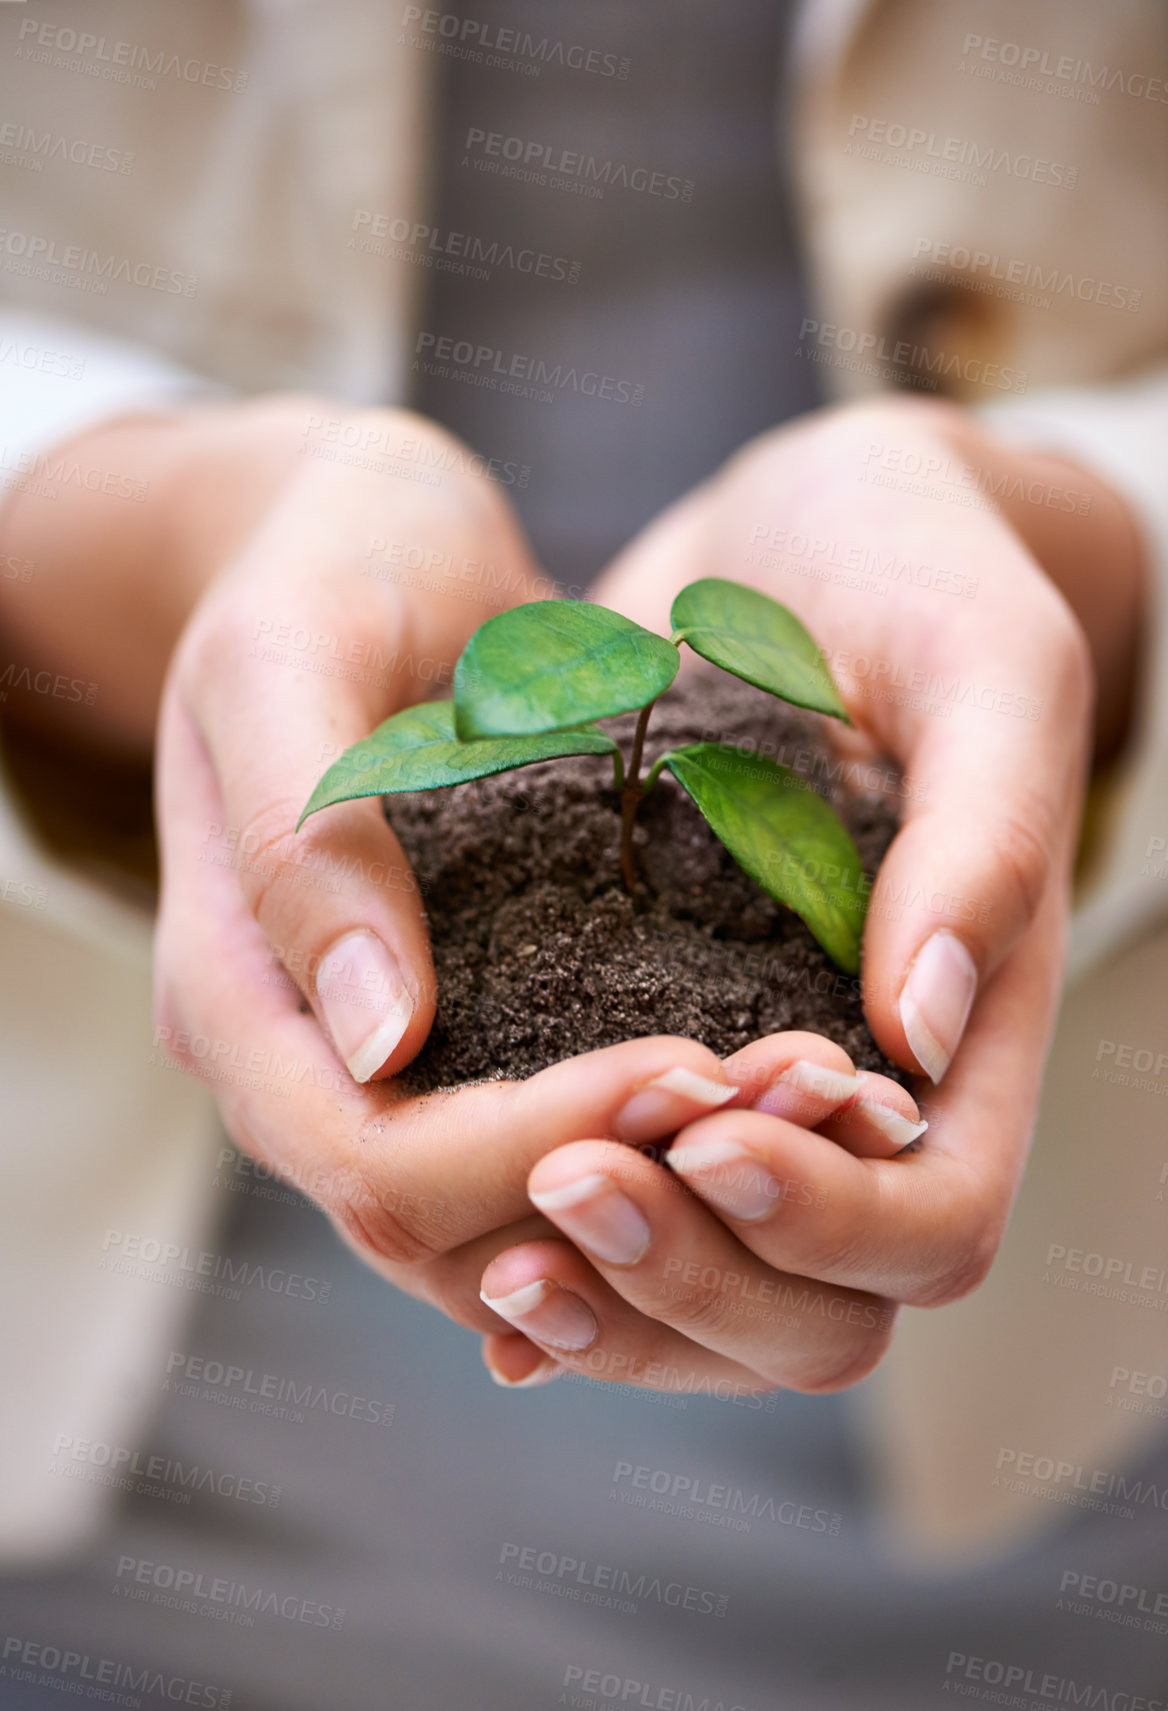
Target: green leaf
x=555 y=663
x=786 y=837
x=418 y=750
x=751 y=635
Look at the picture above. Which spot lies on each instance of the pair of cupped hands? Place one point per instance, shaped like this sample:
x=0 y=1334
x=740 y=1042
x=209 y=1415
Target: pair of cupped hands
x=648 y=1213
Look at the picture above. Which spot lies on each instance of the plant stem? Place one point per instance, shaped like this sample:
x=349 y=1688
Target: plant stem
x=630 y=799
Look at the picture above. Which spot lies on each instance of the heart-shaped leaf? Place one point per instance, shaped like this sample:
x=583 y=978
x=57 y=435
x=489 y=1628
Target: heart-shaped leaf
x=418 y=750
x=757 y=639
x=555 y=663
x=786 y=837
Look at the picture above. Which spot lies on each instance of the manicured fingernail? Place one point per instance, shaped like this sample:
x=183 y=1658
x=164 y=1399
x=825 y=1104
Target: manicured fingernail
x=936 y=1001
x=787 y=1094
x=730 y=1178
x=364 y=1002
x=652 y=1112
x=547 y=1313
x=598 y=1217
x=542 y=1373
x=900 y=1130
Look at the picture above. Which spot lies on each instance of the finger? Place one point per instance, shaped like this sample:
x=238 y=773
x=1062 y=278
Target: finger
x=516 y=1363
x=551 y=1293
x=997 y=784
x=882 y=1121
x=338 y=902
x=811 y=1081
x=457 y=1162
x=664 y=1254
x=922 y=1228
x=226 y=1009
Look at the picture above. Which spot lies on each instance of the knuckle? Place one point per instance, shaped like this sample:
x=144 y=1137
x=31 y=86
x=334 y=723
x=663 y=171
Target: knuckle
x=964 y=1268
x=273 y=855
x=214 y=642
x=386 y=1227
x=698 y=1312
x=1022 y=848
x=832 y=1248
x=844 y=1365
x=454 y=1296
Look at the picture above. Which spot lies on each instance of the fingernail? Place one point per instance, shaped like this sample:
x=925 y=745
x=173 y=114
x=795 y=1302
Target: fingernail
x=787 y=1094
x=543 y=1373
x=936 y=1001
x=548 y=1313
x=728 y=1176
x=652 y=1112
x=900 y=1130
x=597 y=1216
x=364 y=1001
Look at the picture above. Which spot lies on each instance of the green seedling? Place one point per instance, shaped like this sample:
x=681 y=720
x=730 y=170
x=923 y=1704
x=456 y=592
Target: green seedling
x=531 y=684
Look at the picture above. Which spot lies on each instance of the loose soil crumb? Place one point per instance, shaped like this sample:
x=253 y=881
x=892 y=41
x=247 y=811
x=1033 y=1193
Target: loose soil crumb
x=541 y=953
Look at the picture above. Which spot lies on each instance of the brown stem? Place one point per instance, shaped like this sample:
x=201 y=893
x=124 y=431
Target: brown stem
x=631 y=798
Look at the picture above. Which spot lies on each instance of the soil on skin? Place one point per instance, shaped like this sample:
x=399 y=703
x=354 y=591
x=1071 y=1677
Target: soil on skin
x=541 y=953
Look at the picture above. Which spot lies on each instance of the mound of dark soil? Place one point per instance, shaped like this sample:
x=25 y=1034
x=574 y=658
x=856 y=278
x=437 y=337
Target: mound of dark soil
x=540 y=951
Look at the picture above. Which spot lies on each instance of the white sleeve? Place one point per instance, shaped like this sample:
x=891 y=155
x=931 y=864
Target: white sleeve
x=58 y=377
x=1120 y=431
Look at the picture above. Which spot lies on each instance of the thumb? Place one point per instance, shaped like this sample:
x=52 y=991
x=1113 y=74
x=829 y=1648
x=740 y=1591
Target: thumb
x=338 y=903
x=991 y=830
